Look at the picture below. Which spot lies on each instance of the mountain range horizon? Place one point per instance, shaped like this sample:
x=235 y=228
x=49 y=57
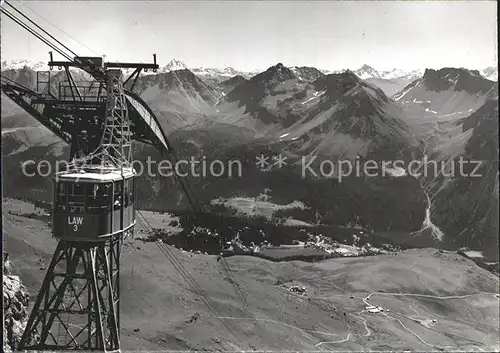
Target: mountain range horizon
x=364 y=72
x=304 y=112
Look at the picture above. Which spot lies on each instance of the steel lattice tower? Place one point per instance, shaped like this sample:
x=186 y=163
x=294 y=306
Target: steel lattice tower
x=116 y=142
x=77 y=307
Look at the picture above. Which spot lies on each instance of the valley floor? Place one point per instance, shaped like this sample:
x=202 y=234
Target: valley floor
x=417 y=300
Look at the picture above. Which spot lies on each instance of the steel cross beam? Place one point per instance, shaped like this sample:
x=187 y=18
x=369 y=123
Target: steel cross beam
x=96 y=67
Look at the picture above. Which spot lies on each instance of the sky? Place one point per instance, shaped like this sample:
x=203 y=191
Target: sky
x=250 y=35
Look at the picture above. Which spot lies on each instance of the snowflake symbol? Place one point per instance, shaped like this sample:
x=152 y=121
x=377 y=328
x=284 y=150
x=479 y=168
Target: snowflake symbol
x=262 y=162
x=280 y=160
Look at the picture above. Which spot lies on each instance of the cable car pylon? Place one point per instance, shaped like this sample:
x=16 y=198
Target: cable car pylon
x=93 y=209
x=77 y=307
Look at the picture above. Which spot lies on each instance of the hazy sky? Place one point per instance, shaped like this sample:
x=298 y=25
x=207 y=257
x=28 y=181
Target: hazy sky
x=254 y=35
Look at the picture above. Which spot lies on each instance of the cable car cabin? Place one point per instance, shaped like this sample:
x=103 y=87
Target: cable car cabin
x=93 y=206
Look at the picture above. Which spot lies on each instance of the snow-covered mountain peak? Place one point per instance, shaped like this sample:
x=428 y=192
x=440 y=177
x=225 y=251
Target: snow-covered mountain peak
x=206 y=71
x=398 y=73
x=174 y=65
x=367 y=71
x=22 y=63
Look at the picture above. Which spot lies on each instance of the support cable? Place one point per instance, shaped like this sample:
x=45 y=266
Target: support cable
x=37 y=35
x=169 y=254
x=40 y=28
x=60 y=29
x=225 y=265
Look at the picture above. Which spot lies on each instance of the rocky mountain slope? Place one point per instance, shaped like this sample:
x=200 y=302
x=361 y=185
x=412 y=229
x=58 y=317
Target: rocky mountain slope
x=437 y=105
x=446 y=91
x=15 y=308
x=334 y=115
x=466 y=205
x=455 y=116
x=178 y=97
x=229 y=84
x=305 y=73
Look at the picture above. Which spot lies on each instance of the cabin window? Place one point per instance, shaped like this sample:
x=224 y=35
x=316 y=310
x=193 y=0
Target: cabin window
x=77 y=191
x=118 y=199
x=131 y=191
x=61 y=197
x=98 y=198
x=76 y=197
x=125 y=193
x=128 y=193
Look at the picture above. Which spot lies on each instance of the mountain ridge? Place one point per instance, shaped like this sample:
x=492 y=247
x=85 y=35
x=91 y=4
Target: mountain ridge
x=282 y=109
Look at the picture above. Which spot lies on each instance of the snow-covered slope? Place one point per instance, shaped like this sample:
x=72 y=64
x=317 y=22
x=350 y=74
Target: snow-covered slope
x=491 y=73
x=21 y=63
x=208 y=74
x=446 y=91
x=173 y=65
x=390 y=81
x=368 y=72
x=437 y=105
x=306 y=73
x=398 y=74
